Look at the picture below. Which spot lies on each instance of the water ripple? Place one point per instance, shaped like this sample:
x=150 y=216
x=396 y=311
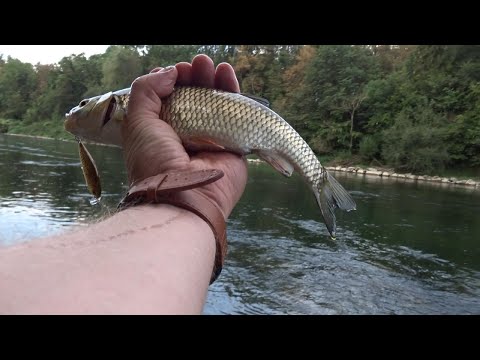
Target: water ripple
x=410 y=248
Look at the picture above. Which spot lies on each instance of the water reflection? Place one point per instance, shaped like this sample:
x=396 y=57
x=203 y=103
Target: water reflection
x=42 y=190
x=410 y=248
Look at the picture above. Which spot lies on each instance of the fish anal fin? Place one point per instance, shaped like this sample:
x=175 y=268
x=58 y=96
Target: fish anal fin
x=194 y=143
x=280 y=164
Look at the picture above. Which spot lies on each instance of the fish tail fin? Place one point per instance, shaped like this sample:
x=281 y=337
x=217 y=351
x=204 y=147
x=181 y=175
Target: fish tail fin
x=331 y=195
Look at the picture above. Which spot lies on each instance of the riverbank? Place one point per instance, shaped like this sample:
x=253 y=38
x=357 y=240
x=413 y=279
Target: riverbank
x=388 y=173
x=52 y=129
x=385 y=173
x=71 y=139
x=38 y=137
x=409 y=176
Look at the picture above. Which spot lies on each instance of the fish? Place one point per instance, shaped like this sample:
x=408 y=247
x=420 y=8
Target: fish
x=215 y=120
x=90 y=172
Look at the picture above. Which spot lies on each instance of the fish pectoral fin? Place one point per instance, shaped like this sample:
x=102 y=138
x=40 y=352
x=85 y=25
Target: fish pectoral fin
x=202 y=144
x=277 y=161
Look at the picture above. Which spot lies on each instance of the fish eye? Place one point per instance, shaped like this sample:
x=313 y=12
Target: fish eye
x=83 y=102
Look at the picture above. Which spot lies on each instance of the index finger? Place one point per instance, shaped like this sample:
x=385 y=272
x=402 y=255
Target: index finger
x=225 y=78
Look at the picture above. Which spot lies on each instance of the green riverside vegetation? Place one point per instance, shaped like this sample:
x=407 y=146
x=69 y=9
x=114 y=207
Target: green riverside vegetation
x=413 y=108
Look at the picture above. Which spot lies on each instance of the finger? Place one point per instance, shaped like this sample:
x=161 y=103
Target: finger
x=147 y=90
x=228 y=190
x=203 y=71
x=225 y=78
x=157 y=69
x=184 y=73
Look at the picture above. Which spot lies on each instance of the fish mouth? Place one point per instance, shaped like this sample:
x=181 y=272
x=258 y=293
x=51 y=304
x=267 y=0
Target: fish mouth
x=68 y=124
x=109 y=112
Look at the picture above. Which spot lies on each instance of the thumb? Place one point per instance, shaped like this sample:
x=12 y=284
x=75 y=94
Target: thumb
x=147 y=91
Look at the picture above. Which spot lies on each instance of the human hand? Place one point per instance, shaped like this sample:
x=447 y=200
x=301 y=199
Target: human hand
x=152 y=146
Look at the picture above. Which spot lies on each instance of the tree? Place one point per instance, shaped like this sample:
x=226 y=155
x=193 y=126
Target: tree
x=92 y=73
x=335 y=82
x=416 y=142
x=17 y=83
x=391 y=57
x=293 y=86
x=219 y=53
x=120 y=67
x=164 y=55
x=62 y=86
x=351 y=105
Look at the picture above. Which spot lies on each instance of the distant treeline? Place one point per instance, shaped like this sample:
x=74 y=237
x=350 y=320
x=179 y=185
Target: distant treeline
x=416 y=108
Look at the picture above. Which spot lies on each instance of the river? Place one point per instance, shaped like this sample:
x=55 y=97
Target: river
x=410 y=248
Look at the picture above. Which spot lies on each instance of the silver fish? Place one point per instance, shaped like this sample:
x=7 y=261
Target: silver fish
x=209 y=119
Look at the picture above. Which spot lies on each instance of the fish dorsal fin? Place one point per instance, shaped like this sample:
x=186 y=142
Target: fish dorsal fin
x=260 y=100
x=280 y=164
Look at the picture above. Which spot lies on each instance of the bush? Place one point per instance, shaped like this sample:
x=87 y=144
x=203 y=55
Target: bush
x=416 y=145
x=369 y=148
x=320 y=145
x=3 y=127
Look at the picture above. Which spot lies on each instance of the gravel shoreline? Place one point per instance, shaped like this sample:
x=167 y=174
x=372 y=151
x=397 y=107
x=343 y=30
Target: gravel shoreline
x=391 y=174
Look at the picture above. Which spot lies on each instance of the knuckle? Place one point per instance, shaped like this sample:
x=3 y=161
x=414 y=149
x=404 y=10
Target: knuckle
x=139 y=82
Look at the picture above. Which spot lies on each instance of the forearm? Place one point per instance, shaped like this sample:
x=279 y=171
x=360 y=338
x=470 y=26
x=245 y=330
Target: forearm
x=145 y=259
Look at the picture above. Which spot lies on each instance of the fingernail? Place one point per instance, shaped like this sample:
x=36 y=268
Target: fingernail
x=167 y=69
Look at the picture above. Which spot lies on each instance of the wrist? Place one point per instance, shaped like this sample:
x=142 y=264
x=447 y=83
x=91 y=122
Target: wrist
x=178 y=189
x=157 y=216
x=198 y=203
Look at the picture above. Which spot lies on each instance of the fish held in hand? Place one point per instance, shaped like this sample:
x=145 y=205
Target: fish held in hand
x=210 y=119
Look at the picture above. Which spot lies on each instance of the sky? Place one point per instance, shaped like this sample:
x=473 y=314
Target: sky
x=48 y=54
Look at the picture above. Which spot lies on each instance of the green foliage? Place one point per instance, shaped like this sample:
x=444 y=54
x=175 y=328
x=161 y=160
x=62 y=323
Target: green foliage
x=17 y=83
x=463 y=137
x=48 y=128
x=416 y=108
x=416 y=143
x=369 y=148
x=334 y=92
x=165 y=55
x=120 y=67
x=3 y=127
x=218 y=53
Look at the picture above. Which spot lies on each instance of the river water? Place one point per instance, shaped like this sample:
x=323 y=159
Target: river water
x=410 y=248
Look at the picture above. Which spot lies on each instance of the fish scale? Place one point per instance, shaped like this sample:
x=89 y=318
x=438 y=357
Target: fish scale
x=234 y=119
x=209 y=119
x=230 y=123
